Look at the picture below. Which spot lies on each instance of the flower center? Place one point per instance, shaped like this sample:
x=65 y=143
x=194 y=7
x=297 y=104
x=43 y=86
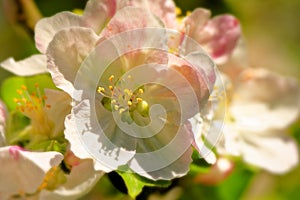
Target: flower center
x=33 y=106
x=124 y=101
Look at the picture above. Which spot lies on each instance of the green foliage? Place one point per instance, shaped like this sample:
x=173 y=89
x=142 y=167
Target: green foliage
x=136 y=183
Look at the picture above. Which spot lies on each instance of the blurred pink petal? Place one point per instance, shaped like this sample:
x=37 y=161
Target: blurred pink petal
x=219 y=35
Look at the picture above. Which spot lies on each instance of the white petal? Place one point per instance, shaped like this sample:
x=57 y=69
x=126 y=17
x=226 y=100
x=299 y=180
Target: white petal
x=66 y=52
x=96 y=136
x=18 y=168
x=60 y=107
x=165 y=156
x=32 y=65
x=81 y=180
x=276 y=152
x=232 y=140
x=176 y=169
x=203 y=134
x=46 y=28
x=265 y=100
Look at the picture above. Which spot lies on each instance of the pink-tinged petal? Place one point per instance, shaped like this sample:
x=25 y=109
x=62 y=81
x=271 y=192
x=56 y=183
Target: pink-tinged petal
x=193 y=24
x=18 y=168
x=87 y=128
x=265 y=100
x=217 y=173
x=58 y=106
x=163 y=9
x=130 y=18
x=98 y=12
x=32 y=65
x=3 y=116
x=66 y=53
x=80 y=181
x=46 y=28
x=219 y=36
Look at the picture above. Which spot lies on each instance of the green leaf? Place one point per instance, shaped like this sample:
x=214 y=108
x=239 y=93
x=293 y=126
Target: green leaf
x=12 y=84
x=236 y=184
x=136 y=183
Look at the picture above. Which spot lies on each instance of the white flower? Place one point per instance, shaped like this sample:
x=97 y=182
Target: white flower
x=68 y=47
x=47 y=114
x=263 y=105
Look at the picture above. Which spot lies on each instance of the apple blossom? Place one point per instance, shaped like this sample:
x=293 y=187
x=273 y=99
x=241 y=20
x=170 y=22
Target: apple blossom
x=262 y=106
x=74 y=62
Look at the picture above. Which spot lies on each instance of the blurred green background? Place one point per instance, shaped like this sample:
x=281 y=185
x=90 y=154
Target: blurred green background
x=271 y=30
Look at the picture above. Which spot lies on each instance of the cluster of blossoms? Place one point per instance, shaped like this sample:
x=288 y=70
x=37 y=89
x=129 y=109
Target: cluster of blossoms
x=112 y=66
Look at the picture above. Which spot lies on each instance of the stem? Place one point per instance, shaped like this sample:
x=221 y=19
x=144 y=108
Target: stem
x=31 y=12
x=26 y=14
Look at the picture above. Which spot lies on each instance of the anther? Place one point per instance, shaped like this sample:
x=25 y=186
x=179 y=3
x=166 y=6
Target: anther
x=113 y=101
x=129 y=103
x=100 y=90
x=116 y=107
x=121 y=110
x=111 y=78
x=141 y=91
x=23 y=87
